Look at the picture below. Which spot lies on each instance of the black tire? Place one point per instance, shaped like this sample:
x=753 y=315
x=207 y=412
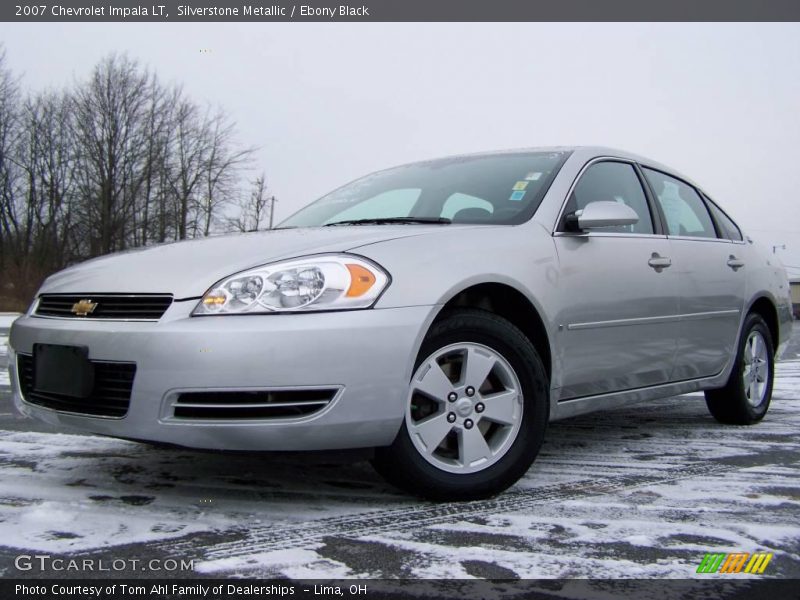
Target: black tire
x=402 y=465
x=730 y=404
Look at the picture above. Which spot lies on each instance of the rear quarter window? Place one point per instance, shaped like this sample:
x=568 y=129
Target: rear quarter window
x=683 y=208
x=728 y=228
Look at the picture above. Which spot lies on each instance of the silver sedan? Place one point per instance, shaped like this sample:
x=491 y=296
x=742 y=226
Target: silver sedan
x=441 y=312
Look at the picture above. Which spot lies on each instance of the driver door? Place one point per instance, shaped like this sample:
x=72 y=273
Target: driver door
x=618 y=291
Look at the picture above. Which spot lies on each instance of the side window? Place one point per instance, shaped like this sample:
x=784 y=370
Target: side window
x=394 y=203
x=613 y=182
x=725 y=223
x=465 y=207
x=683 y=207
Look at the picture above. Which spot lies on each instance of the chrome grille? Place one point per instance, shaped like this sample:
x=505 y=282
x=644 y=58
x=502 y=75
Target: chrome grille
x=110 y=397
x=243 y=405
x=148 y=307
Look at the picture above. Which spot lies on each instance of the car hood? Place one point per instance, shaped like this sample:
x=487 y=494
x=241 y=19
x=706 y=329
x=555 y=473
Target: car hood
x=187 y=269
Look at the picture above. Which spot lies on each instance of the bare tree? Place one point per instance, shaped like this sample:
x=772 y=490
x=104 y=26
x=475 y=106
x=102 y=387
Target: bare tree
x=255 y=211
x=9 y=131
x=117 y=161
x=110 y=113
x=191 y=152
x=221 y=168
x=157 y=122
x=48 y=162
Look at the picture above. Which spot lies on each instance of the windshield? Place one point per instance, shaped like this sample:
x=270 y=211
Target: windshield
x=489 y=189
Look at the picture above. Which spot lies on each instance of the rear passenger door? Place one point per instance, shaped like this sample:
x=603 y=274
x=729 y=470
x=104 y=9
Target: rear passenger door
x=711 y=278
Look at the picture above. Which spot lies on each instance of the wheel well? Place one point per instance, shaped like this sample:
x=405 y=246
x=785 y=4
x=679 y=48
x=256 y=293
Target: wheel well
x=511 y=304
x=765 y=308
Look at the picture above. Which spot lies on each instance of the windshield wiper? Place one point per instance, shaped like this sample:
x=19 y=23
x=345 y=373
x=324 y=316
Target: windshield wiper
x=392 y=220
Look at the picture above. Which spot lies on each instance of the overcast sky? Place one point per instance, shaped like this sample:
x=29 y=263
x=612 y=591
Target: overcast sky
x=329 y=102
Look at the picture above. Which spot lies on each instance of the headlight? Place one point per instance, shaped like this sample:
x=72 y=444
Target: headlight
x=326 y=282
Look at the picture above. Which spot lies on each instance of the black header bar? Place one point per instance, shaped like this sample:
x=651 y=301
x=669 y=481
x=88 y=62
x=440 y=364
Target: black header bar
x=400 y=10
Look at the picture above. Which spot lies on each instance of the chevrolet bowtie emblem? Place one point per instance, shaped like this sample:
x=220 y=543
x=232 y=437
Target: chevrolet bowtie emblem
x=83 y=307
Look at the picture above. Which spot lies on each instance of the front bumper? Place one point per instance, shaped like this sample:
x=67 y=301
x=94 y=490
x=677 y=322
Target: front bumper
x=366 y=354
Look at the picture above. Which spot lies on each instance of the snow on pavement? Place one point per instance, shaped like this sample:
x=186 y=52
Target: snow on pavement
x=6 y=319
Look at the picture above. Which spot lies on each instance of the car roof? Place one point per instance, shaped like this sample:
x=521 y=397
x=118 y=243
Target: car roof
x=580 y=153
x=590 y=152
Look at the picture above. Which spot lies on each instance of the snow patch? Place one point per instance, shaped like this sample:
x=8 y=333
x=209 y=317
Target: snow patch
x=294 y=563
x=6 y=319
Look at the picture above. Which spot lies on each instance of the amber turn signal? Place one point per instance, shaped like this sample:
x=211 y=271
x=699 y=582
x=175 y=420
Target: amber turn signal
x=214 y=299
x=361 y=280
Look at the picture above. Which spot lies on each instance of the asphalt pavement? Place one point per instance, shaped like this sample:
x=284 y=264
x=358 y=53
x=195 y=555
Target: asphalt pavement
x=641 y=491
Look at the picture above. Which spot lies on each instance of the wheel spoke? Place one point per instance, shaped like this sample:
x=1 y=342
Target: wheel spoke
x=748 y=352
x=754 y=395
x=472 y=446
x=434 y=383
x=432 y=431
x=477 y=368
x=501 y=407
x=756 y=350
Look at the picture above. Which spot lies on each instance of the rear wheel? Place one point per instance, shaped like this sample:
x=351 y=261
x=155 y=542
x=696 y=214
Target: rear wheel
x=746 y=396
x=476 y=412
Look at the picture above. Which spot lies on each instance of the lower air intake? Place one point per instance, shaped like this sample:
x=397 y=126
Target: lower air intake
x=110 y=397
x=244 y=405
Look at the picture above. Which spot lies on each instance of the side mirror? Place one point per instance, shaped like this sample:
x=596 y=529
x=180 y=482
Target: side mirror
x=601 y=214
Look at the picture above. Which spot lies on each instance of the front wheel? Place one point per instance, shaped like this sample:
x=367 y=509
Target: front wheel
x=746 y=396
x=476 y=412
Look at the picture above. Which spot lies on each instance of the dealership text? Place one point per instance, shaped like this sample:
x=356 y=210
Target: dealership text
x=176 y=589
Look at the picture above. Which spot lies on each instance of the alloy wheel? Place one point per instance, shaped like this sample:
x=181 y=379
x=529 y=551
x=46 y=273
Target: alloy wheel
x=755 y=374
x=465 y=408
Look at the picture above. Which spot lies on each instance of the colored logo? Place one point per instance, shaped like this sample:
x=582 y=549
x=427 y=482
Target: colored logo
x=83 y=307
x=735 y=562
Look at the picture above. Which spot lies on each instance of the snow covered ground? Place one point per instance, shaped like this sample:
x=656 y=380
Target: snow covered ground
x=643 y=491
x=6 y=319
x=5 y=323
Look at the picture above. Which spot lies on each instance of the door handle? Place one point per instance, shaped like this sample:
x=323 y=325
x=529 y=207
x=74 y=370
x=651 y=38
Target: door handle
x=735 y=263
x=659 y=263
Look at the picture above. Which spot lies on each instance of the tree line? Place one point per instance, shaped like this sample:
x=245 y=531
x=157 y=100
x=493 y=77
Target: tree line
x=116 y=161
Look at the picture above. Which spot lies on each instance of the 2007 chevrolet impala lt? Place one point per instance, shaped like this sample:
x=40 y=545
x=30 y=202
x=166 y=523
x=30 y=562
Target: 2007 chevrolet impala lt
x=441 y=312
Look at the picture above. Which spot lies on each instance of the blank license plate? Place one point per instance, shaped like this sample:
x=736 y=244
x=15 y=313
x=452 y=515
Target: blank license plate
x=64 y=370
